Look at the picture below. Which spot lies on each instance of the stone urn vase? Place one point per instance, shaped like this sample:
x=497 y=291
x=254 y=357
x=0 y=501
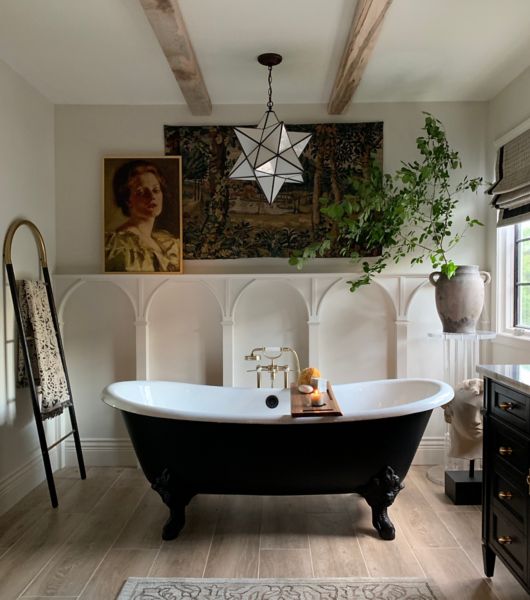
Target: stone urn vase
x=459 y=300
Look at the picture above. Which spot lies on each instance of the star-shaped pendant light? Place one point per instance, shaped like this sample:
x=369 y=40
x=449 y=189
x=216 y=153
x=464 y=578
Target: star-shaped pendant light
x=270 y=153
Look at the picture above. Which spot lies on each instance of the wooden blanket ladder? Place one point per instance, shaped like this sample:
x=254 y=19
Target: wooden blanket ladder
x=23 y=341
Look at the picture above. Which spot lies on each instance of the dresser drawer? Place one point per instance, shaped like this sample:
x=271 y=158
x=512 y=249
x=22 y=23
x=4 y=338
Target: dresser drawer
x=508 y=449
x=509 y=542
x=511 y=496
x=510 y=406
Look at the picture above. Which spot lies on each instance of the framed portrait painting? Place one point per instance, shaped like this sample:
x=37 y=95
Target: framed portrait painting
x=142 y=207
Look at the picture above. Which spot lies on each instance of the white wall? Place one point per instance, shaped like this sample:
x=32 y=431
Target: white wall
x=26 y=190
x=357 y=336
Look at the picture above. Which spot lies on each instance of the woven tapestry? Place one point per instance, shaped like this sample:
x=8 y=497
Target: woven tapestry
x=224 y=218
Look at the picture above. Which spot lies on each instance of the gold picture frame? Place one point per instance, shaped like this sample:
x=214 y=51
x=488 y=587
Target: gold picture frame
x=142 y=214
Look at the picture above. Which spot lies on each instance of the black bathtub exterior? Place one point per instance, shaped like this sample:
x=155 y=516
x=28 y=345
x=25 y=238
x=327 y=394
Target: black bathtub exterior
x=182 y=458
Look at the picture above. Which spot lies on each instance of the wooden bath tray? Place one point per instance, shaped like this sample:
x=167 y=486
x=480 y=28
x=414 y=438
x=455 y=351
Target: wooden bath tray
x=301 y=407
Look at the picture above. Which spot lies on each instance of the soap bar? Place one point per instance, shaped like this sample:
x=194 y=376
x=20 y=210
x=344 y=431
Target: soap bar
x=305 y=389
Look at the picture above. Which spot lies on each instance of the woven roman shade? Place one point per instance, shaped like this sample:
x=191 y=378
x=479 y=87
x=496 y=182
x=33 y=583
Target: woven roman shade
x=511 y=191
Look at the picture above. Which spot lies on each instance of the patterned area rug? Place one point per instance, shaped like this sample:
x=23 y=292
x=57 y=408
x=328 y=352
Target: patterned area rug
x=141 y=588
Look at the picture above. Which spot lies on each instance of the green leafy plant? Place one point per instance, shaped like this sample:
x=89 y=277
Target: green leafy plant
x=393 y=216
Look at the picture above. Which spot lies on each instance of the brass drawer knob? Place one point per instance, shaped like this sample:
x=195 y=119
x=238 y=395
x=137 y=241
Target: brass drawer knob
x=506 y=405
x=505 y=495
x=505 y=451
x=504 y=540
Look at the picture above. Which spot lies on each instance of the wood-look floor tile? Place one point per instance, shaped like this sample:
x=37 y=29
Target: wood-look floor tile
x=110 y=576
x=144 y=529
x=235 y=545
x=21 y=563
x=20 y=518
x=186 y=555
x=82 y=495
x=291 y=562
x=325 y=503
x=133 y=473
x=433 y=493
x=466 y=527
x=334 y=546
x=91 y=472
x=453 y=572
x=385 y=558
x=417 y=519
x=423 y=528
x=73 y=565
x=283 y=523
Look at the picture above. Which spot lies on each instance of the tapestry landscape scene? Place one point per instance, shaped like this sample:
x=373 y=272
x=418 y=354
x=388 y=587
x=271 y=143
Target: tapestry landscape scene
x=224 y=218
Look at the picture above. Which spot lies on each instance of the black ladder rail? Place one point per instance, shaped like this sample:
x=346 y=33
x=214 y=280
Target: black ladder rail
x=27 y=360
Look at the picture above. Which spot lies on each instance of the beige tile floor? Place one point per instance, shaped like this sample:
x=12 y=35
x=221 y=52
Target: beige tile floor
x=107 y=528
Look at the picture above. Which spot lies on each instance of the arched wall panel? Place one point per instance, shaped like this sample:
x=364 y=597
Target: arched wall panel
x=185 y=337
x=268 y=313
x=355 y=331
x=425 y=354
x=99 y=342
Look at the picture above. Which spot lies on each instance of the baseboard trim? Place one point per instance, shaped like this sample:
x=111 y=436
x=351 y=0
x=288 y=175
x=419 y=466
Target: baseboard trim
x=22 y=480
x=102 y=452
x=430 y=451
x=119 y=452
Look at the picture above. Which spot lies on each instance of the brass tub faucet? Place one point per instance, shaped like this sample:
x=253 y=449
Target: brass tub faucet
x=273 y=353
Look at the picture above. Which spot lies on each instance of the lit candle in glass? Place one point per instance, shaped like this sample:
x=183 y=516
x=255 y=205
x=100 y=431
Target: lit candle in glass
x=316 y=398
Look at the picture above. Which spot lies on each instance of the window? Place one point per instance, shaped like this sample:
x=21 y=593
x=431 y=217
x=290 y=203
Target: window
x=521 y=312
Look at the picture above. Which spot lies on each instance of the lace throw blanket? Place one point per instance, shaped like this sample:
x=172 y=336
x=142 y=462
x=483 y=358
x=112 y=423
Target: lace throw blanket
x=45 y=358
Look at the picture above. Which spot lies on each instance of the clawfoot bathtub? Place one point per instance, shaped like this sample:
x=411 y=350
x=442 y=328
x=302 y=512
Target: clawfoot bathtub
x=197 y=439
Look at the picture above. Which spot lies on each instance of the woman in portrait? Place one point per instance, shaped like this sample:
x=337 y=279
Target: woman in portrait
x=137 y=245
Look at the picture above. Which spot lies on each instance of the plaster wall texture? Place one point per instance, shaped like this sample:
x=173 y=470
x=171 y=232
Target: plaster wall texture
x=27 y=152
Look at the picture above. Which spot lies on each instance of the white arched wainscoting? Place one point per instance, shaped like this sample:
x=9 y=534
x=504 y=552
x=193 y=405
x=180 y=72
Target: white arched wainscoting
x=198 y=328
x=356 y=334
x=99 y=341
x=183 y=344
x=268 y=313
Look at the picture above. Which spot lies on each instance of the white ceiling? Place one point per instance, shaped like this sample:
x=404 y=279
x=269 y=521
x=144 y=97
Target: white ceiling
x=105 y=52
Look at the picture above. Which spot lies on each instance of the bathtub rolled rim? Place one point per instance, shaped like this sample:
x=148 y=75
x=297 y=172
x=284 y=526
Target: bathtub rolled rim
x=113 y=396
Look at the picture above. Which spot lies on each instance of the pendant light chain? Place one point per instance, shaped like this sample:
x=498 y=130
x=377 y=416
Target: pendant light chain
x=269 y=103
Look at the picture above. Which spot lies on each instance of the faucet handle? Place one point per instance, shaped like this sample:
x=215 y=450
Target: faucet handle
x=252 y=357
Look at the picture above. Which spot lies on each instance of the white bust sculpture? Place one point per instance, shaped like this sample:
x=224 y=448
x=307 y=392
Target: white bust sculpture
x=464 y=415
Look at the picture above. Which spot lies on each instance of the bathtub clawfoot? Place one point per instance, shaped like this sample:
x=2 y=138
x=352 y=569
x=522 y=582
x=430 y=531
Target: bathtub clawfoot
x=176 y=499
x=380 y=492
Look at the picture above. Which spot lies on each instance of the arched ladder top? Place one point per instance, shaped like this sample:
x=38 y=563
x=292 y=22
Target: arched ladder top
x=79 y=283
x=279 y=280
x=39 y=240
x=157 y=289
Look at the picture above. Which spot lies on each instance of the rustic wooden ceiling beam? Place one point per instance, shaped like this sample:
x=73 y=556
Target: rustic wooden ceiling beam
x=367 y=21
x=169 y=27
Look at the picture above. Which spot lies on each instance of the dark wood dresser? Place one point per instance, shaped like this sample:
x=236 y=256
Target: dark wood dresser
x=506 y=469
